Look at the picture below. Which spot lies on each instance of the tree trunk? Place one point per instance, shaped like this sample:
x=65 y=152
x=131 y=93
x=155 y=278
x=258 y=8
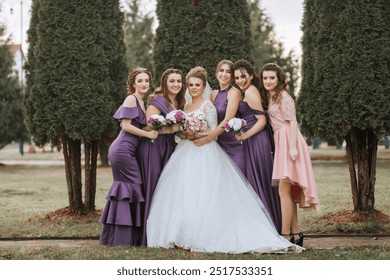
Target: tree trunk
x=103 y=151
x=362 y=147
x=72 y=157
x=91 y=153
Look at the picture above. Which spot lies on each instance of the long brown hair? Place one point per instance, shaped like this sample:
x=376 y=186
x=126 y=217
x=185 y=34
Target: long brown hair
x=162 y=89
x=282 y=84
x=242 y=65
x=133 y=74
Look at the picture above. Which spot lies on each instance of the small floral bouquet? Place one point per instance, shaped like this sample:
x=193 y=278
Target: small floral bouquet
x=175 y=116
x=195 y=122
x=156 y=122
x=235 y=125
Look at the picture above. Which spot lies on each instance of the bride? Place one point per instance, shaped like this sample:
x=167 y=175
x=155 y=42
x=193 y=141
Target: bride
x=203 y=202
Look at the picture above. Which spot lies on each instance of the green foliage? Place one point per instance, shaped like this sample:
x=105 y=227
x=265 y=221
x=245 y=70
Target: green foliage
x=139 y=37
x=12 y=127
x=201 y=34
x=345 y=67
x=76 y=72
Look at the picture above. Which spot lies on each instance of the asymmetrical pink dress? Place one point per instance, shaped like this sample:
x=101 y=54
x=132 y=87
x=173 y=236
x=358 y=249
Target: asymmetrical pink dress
x=298 y=172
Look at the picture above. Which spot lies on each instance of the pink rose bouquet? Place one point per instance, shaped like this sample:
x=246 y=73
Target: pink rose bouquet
x=156 y=122
x=195 y=122
x=175 y=116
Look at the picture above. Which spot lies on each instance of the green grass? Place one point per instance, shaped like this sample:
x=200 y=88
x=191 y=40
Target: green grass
x=125 y=253
x=30 y=194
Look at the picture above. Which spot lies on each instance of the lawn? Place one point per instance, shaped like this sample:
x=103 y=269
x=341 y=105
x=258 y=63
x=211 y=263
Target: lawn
x=30 y=195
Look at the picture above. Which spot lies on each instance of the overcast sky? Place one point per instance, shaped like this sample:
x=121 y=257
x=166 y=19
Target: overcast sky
x=285 y=14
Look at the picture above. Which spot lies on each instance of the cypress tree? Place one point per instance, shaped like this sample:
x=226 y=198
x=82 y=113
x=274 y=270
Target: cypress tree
x=201 y=32
x=73 y=86
x=12 y=127
x=346 y=85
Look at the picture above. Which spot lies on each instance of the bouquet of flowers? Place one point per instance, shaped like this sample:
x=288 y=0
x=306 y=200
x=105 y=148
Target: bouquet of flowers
x=156 y=122
x=235 y=125
x=175 y=116
x=195 y=122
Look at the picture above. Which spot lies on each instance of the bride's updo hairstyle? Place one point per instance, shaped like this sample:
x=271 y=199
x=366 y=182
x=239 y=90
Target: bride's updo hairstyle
x=197 y=72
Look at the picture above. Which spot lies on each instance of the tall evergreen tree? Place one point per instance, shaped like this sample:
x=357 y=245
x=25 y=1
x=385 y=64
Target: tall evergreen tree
x=267 y=48
x=75 y=76
x=139 y=36
x=201 y=32
x=346 y=85
x=12 y=127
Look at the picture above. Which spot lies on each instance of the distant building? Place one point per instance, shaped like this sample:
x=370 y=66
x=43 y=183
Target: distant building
x=19 y=60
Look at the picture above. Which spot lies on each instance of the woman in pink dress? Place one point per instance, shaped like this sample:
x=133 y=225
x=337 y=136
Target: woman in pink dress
x=292 y=165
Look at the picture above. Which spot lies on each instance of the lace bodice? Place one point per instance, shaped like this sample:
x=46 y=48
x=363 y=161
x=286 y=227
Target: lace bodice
x=282 y=112
x=208 y=110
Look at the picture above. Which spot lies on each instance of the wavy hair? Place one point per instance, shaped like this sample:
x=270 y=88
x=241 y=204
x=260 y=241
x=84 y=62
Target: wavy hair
x=133 y=74
x=282 y=84
x=162 y=89
x=242 y=65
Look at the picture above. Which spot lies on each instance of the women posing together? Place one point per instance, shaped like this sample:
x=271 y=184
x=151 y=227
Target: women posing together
x=206 y=195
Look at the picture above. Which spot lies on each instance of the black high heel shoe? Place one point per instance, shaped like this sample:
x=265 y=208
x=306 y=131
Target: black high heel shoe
x=298 y=242
x=289 y=235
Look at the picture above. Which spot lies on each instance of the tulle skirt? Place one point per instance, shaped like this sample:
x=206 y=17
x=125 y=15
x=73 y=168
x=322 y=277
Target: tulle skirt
x=203 y=203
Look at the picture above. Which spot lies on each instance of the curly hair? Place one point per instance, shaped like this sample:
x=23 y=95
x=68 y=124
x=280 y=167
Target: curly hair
x=282 y=84
x=242 y=65
x=133 y=74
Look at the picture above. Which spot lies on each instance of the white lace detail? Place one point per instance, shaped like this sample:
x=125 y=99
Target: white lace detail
x=210 y=112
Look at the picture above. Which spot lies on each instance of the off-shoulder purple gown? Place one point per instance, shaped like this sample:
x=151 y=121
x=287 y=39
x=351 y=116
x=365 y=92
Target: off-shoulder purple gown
x=227 y=140
x=259 y=160
x=152 y=157
x=122 y=216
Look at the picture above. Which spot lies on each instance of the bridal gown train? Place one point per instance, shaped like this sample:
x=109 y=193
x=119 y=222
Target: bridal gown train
x=203 y=203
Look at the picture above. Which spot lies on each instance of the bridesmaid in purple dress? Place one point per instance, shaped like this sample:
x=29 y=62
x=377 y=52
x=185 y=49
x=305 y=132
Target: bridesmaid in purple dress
x=226 y=100
x=152 y=156
x=257 y=140
x=122 y=215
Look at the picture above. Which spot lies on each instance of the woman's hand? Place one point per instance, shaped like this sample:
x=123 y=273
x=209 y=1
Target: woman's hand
x=175 y=127
x=189 y=135
x=152 y=134
x=241 y=136
x=201 y=141
x=293 y=153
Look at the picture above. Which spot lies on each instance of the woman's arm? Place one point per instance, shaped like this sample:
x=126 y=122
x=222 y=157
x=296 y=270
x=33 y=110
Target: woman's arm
x=153 y=110
x=129 y=128
x=126 y=125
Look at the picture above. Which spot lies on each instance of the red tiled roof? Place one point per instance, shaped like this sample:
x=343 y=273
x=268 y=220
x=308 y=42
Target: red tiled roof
x=15 y=48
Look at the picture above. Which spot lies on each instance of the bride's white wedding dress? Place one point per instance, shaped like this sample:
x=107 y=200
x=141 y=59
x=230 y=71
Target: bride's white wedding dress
x=204 y=203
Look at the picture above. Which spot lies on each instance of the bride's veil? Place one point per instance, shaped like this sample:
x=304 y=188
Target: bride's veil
x=206 y=93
